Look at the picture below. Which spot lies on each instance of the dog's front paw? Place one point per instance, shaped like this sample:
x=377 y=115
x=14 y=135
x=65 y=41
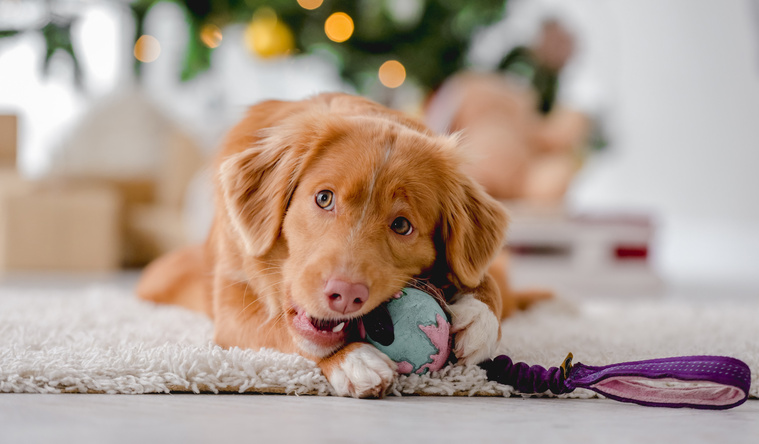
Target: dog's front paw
x=359 y=370
x=476 y=330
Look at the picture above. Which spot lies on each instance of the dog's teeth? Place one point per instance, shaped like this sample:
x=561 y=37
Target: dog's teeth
x=339 y=327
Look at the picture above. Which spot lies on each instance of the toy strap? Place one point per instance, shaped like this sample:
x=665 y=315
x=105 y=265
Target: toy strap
x=702 y=382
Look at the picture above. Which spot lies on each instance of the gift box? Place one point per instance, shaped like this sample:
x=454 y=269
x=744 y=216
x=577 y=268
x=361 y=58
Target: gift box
x=59 y=227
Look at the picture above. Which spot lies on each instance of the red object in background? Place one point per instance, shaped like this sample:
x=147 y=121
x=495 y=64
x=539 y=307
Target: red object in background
x=634 y=252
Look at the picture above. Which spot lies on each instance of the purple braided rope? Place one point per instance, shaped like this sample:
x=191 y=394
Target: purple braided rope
x=525 y=378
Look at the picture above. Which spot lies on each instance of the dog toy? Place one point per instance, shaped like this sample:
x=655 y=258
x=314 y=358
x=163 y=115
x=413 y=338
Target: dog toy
x=413 y=330
x=701 y=382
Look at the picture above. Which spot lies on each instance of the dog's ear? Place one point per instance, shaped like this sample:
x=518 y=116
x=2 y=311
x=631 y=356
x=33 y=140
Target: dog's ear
x=473 y=229
x=256 y=184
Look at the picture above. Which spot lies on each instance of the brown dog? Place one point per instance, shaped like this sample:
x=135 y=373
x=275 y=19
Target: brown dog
x=325 y=208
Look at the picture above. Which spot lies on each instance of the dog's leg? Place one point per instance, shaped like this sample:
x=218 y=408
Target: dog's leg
x=180 y=277
x=359 y=370
x=475 y=322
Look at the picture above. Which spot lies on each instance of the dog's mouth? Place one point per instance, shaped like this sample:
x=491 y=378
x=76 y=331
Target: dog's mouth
x=324 y=332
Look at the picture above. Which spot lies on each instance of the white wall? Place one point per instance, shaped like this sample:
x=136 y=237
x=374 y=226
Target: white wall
x=686 y=141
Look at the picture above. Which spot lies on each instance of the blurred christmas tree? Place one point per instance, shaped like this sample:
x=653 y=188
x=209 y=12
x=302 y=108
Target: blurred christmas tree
x=428 y=37
x=54 y=24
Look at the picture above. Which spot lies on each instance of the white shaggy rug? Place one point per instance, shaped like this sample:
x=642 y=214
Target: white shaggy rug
x=104 y=340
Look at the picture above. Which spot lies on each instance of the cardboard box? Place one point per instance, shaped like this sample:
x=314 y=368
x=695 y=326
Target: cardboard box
x=8 y=140
x=59 y=228
x=12 y=182
x=134 y=191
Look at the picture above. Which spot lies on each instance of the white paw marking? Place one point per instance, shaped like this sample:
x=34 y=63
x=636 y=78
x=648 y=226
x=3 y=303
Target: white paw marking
x=364 y=373
x=476 y=330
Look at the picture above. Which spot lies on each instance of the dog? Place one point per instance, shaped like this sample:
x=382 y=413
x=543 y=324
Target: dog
x=326 y=208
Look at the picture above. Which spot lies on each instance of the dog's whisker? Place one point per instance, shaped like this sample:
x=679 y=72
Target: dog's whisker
x=262 y=294
x=245 y=281
x=233 y=283
x=265 y=289
x=274 y=322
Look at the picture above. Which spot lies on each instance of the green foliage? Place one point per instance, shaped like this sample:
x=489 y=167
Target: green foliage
x=430 y=41
x=431 y=45
x=57 y=34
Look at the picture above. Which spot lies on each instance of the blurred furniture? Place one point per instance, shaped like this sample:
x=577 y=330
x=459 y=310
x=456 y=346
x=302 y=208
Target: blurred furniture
x=604 y=253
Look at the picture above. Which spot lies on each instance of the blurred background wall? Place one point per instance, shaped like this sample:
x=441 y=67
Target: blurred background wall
x=686 y=125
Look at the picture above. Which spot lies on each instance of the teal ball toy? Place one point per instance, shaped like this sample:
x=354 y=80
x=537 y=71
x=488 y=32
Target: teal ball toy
x=413 y=330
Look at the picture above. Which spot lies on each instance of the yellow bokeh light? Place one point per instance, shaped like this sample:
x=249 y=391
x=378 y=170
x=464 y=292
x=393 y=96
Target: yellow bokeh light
x=339 y=27
x=267 y=36
x=210 y=35
x=310 y=4
x=147 y=49
x=392 y=74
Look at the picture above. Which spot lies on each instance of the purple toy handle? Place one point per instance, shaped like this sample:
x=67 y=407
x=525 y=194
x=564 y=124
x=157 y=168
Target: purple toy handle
x=702 y=382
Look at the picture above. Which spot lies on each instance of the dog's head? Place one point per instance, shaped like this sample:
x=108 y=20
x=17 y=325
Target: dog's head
x=359 y=206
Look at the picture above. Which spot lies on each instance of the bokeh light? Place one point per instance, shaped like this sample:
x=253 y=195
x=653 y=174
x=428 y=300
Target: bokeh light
x=267 y=36
x=339 y=27
x=210 y=35
x=147 y=49
x=310 y=4
x=392 y=74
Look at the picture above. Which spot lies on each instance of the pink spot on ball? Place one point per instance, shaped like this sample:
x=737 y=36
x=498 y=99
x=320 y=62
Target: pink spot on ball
x=440 y=337
x=405 y=367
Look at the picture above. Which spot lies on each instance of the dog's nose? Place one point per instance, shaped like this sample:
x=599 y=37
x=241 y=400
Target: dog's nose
x=345 y=297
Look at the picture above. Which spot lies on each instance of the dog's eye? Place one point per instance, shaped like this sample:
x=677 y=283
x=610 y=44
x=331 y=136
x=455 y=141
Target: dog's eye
x=325 y=199
x=401 y=225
